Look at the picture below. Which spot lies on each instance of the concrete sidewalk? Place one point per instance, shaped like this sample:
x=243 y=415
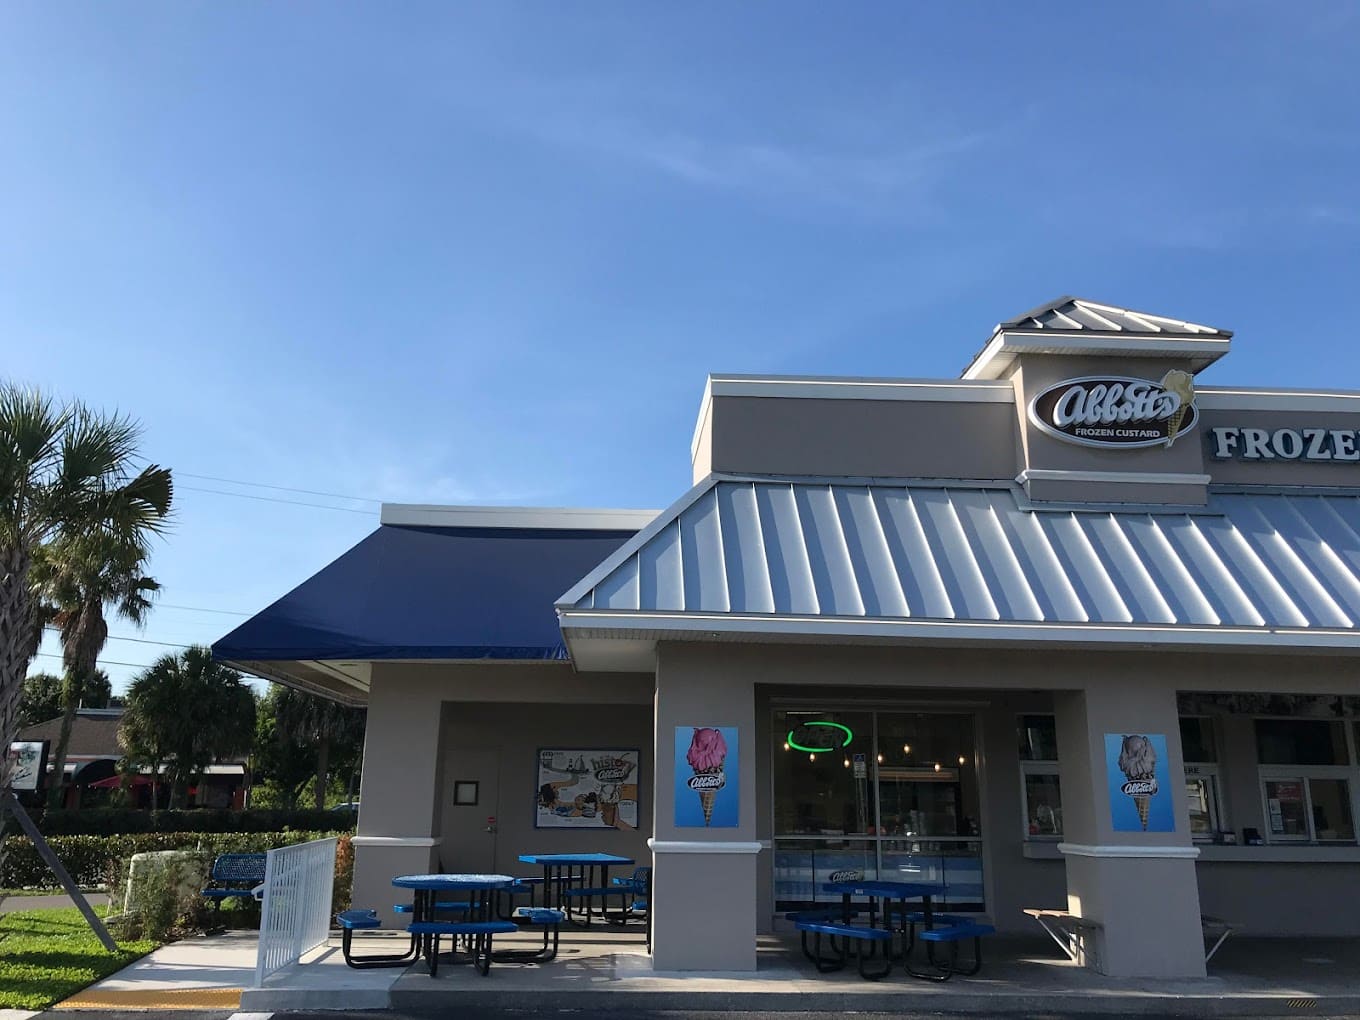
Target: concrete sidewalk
x=599 y=971
x=216 y=972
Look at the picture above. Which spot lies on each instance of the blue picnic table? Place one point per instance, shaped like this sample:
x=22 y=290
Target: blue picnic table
x=478 y=925
x=568 y=878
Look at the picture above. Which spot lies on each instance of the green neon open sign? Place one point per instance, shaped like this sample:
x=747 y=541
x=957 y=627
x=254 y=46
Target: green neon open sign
x=848 y=733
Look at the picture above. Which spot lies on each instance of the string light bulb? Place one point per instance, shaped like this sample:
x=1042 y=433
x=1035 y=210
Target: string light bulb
x=812 y=757
x=847 y=763
x=880 y=757
x=963 y=760
x=786 y=745
x=937 y=766
x=906 y=749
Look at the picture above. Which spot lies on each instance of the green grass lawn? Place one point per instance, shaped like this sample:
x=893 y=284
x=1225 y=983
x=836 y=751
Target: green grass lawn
x=46 y=955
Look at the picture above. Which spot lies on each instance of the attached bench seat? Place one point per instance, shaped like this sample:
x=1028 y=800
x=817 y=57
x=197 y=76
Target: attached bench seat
x=1076 y=936
x=951 y=935
x=840 y=935
x=351 y=921
x=545 y=918
x=477 y=935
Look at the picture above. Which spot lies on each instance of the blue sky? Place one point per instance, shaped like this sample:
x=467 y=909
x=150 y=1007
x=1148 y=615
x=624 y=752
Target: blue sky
x=488 y=253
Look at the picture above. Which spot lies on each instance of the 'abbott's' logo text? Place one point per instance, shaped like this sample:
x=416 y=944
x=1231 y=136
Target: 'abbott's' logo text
x=1117 y=411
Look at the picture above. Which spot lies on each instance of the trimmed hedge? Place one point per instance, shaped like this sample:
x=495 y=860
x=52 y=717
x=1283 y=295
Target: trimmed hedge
x=119 y=821
x=90 y=858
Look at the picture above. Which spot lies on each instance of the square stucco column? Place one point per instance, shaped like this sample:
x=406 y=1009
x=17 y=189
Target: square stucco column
x=399 y=793
x=704 y=888
x=1140 y=885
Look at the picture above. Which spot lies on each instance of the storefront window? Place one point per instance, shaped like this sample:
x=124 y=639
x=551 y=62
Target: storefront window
x=1301 y=742
x=1043 y=805
x=1039 y=774
x=822 y=783
x=1331 y=810
x=1286 y=809
x=926 y=774
x=875 y=794
x=1201 y=793
x=1197 y=739
x=1038 y=738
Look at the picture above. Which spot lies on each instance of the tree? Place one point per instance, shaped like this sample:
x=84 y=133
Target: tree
x=282 y=761
x=325 y=724
x=82 y=577
x=64 y=471
x=184 y=712
x=41 y=699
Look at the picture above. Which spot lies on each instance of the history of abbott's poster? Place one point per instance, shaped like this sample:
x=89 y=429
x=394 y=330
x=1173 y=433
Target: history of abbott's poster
x=706 y=788
x=1140 y=782
x=586 y=789
x=28 y=763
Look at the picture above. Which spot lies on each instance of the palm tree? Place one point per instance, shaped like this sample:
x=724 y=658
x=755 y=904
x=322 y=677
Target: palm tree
x=65 y=472
x=184 y=712
x=82 y=576
x=322 y=722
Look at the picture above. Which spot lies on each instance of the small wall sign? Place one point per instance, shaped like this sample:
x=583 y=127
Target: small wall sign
x=1117 y=412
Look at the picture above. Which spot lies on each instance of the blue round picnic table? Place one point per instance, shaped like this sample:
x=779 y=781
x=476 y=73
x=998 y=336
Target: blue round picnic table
x=480 y=889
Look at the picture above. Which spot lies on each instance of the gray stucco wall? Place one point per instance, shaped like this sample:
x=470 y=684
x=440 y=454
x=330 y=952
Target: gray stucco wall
x=862 y=437
x=513 y=733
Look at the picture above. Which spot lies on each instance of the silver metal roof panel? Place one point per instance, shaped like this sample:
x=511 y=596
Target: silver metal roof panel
x=885 y=551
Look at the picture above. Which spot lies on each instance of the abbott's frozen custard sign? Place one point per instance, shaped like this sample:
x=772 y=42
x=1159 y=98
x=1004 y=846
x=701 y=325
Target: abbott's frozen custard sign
x=1117 y=411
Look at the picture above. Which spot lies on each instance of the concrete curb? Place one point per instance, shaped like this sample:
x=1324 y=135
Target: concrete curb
x=274 y=1000
x=892 y=999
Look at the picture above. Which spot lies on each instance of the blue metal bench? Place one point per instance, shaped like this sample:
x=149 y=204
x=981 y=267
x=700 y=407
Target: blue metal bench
x=840 y=935
x=952 y=935
x=235 y=876
x=351 y=921
x=544 y=918
x=477 y=936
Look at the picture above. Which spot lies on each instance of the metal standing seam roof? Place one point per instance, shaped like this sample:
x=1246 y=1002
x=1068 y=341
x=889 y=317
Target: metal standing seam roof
x=1072 y=314
x=924 y=552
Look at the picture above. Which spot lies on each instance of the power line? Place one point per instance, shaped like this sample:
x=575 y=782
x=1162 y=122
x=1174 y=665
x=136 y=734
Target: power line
x=280 y=488
x=140 y=641
x=101 y=662
x=272 y=499
x=200 y=609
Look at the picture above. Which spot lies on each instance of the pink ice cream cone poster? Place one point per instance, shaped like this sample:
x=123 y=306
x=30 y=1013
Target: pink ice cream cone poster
x=706 y=787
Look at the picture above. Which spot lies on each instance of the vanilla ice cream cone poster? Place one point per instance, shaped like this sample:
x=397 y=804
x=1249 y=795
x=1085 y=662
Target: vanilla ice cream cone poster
x=1140 y=782
x=706 y=788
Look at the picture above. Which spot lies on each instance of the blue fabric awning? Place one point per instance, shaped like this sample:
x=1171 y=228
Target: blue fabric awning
x=429 y=593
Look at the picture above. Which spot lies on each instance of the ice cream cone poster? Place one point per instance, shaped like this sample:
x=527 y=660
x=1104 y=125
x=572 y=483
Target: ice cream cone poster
x=706 y=789
x=1140 y=782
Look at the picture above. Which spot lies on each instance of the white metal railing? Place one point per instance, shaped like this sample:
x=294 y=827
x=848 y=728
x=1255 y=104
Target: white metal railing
x=296 y=914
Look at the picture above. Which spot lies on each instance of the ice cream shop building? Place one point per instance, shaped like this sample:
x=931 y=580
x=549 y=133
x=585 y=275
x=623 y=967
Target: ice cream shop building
x=1077 y=629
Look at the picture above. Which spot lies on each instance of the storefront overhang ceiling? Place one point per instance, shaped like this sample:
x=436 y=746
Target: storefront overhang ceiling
x=469 y=586
x=791 y=560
